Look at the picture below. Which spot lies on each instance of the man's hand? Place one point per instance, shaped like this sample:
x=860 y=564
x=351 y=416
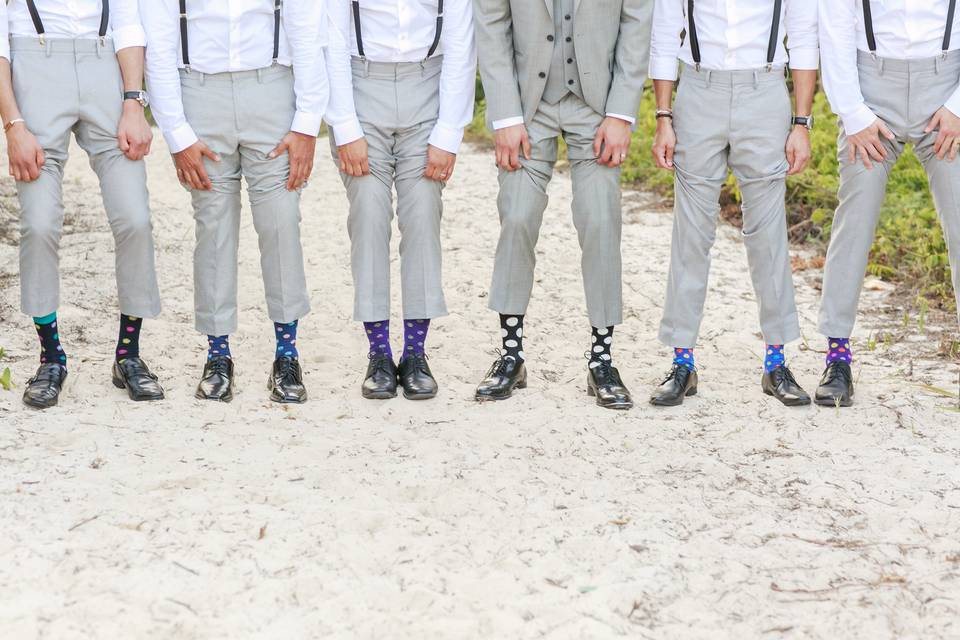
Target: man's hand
x=24 y=152
x=190 y=169
x=300 y=147
x=664 y=144
x=134 y=134
x=798 y=150
x=509 y=142
x=612 y=142
x=440 y=164
x=948 y=140
x=868 y=144
x=354 y=160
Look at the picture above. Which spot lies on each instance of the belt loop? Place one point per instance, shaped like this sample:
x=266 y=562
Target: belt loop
x=203 y=78
x=709 y=76
x=366 y=67
x=936 y=64
x=756 y=79
x=99 y=47
x=47 y=46
x=260 y=75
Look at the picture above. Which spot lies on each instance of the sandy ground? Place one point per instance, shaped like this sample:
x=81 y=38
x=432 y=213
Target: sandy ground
x=541 y=517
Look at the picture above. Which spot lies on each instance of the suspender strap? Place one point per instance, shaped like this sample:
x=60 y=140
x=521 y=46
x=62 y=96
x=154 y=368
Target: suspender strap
x=35 y=16
x=104 y=18
x=276 y=30
x=184 y=45
x=951 y=12
x=868 y=27
x=692 y=28
x=38 y=23
x=436 y=37
x=774 y=34
x=356 y=27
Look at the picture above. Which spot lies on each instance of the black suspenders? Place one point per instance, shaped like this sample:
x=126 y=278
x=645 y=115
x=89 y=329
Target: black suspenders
x=872 y=37
x=38 y=23
x=436 y=37
x=184 y=43
x=771 y=46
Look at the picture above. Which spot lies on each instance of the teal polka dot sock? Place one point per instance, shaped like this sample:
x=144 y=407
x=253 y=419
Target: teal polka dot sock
x=414 y=336
x=218 y=347
x=128 y=343
x=684 y=357
x=774 y=357
x=287 y=339
x=50 y=348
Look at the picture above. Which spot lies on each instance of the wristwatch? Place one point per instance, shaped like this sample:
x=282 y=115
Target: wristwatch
x=803 y=121
x=139 y=96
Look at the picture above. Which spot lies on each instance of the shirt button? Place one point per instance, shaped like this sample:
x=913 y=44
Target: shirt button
x=549 y=38
x=569 y=60
x=569 y=39
x=566 y=17
x=569 y=81
x=542 y=74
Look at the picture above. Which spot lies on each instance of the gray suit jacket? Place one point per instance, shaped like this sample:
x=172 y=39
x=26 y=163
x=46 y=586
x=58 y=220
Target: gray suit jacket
x=612 y=39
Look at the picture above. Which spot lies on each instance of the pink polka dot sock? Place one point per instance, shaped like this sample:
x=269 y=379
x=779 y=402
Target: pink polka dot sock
x=287 y=339
x=218 y=347
x=128 y=344
x=838 y=350
x=414 y=336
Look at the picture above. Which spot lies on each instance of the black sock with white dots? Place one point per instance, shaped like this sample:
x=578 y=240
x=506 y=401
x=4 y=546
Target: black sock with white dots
x=600 y=349
x=511 y=330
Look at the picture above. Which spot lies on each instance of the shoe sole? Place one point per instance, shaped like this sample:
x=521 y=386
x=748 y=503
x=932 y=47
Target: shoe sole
x=789 y=403
x=833 y=402
x=378 y=396
x=419 y=396
x=226 y=398
x=284 y=401
x=37 y=405
x=120 y=384
x=616 y=406
x=480 y=398
x=659 y=403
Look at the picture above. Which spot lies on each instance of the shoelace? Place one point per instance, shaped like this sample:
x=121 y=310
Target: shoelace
x=287 y=373
x=379 y=362
x=604 y=370
x=499 y=367
x=835 y=371
x=136 y=369
x=47 y=373
x=219 y=367
x=673 y=372
x=419 y=362
x=787 y=375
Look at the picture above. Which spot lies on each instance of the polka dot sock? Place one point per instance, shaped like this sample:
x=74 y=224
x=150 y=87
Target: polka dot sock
x=218 y=347
x=511 y=331
x=838 y=350
x=414 y=336
x=378 y=333
x=128 y=343
x=774 y=357
x=684 y=357
x=600 y=349
x=50 y=348
x=287 y=339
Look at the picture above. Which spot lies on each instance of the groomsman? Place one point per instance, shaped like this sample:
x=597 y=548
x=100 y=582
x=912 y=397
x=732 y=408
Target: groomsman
x=402 y=78
x=551 y=69
x=239 y=91
x=891 y=71
x=77 y=66
x=732 y=112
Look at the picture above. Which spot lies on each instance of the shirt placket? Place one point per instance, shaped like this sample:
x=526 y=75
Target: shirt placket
x=403 y=28
x=233 y=37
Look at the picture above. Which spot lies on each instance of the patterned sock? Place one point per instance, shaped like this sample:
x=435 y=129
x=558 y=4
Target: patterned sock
x=774 y=358
x=838 y=350
x=684 y=357
x=218 y=347
x=600 y=350
x=50 y=348
x=511 y=330
x=128 y=344
x=287 y=339
x=378 y=333
x=414 y=335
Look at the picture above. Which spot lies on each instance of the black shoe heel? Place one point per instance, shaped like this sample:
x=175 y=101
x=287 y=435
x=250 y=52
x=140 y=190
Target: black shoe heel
x=590 y=392
x=691 y=391
x=118 y=383
x=522 y=384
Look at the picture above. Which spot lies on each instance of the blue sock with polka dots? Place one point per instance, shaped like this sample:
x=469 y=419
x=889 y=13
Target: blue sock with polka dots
x=774 y=357
x=287 y=339
x=218 y=347
x=414 y=337
x=684 y=357
x=50 y=348
x=378 y=334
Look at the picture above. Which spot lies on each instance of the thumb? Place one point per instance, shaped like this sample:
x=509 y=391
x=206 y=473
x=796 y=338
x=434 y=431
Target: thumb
x=123 y=142
x=41 y=158
x=280 y=148
x=208 y=152
x=934 y=123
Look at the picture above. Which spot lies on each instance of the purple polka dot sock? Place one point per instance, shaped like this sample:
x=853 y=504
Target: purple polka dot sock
x=378 y=333
x=838 y=350
x=218 y=347
x=287 y=339
x=50 y=348
x=774 y=357
x=684 y=357
x=414 y=336
x=128 y=344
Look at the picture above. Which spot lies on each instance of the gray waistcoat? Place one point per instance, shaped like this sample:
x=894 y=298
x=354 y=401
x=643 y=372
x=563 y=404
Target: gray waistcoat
x=564 y=74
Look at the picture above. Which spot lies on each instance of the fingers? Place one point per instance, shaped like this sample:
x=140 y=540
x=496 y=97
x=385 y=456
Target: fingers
x=598 y=143
x=864 y=156
x=208 y=152
x=885 y=131
x=277 y=150
x=939 y=146
x=851 y=152
x=934 y=122
x=791 y=160
x=953 y=146
x=515 y=157
x=123 y=142
x=525 y=143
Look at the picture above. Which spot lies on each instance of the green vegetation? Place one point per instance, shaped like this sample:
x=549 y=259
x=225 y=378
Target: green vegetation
x=6 y=381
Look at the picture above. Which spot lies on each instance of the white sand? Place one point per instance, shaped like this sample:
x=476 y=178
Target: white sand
x=541 y=517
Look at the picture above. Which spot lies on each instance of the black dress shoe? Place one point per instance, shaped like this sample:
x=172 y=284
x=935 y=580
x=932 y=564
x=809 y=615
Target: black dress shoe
x=133 y=375
x=781 y=384
x=604 y=383
x=504 y=376
x=217 y=380
x=43 y=389
x=680 y=383
x=381 y=380
x=416 y=378
x=836 y=386
x=286 y=382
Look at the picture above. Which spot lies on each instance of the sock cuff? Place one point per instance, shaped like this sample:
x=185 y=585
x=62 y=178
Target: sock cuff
x=47 y=319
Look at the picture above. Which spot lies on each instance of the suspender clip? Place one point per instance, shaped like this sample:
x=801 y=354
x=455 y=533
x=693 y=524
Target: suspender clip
x=43 y=40
x=186 y=68
x=769 y=67
x=697 y=66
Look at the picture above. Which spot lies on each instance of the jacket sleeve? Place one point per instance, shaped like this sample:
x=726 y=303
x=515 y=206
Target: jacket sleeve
x=493 y=25
x=631 y=58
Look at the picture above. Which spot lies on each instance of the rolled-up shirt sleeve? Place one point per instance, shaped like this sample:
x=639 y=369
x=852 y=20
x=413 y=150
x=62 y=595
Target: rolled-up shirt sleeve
x=803 y=38
x=841 y=79
x=126 y=27
x=341 y=113
x=163 y=77
x=458 y=76
x=305 y=24
x=668 y=22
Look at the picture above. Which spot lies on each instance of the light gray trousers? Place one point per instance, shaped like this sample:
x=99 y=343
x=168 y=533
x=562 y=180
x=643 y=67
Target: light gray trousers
x=242 y=116
x=596 y=214
x=398 y=105
x=75 y=86
x=739 y=121
x=905 y=95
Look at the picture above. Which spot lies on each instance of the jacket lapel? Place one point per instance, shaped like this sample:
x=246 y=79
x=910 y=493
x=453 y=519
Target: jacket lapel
x=576 y=6
x=549 y=4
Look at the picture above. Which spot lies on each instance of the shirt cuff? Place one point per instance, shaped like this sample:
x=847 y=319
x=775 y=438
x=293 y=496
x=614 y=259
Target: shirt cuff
x=180 y=138
x=129 y=36
x=857 y=120
x=664 y=68
x=307 y=123
x=346 y=132
x=806 y=59
x=953 y=104
x=446 y=137
x=507 y=122
x=632 y=121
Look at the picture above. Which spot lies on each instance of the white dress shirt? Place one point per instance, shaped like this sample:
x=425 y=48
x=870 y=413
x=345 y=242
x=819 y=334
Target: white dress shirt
x=904 y=29
x=72 y=19
x=229 y=36
x=733 y=35
x=403 y=31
